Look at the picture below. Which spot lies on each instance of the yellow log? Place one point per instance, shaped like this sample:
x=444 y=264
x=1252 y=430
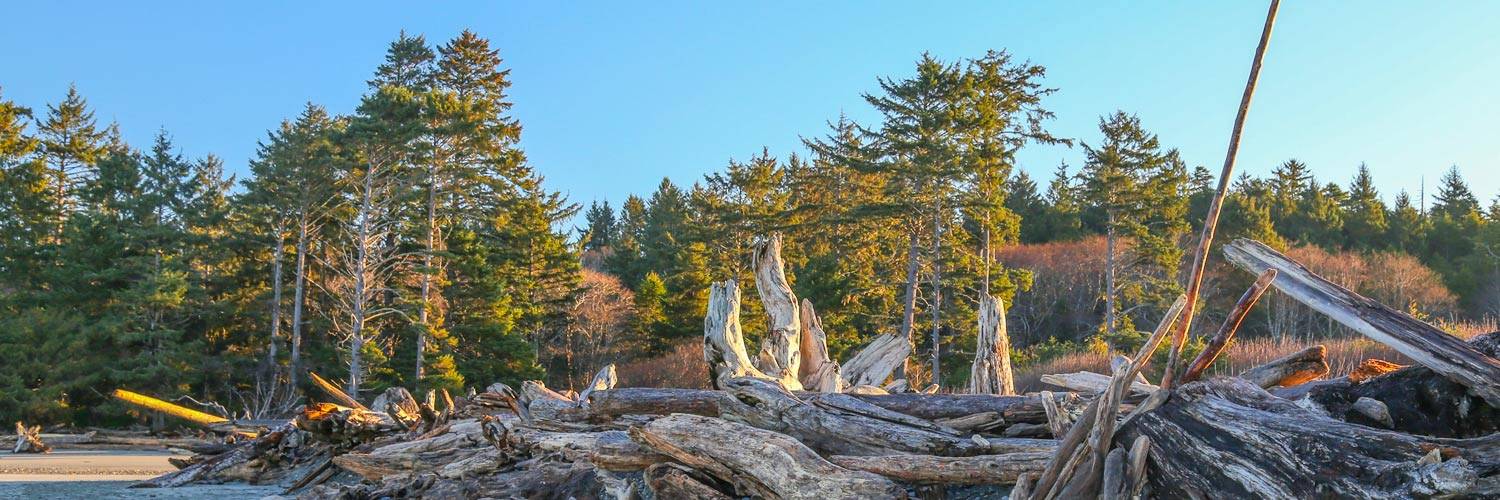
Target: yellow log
x=154 y=404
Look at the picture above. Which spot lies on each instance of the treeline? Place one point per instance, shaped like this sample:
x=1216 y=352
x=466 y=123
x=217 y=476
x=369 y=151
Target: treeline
x=407 y=243
x=411 y=243
x=889 y=224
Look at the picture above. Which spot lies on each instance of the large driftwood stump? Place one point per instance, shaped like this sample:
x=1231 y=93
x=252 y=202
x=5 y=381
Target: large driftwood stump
x=819 y=372
x=991 y=372
x=781 y=351
x=757 y=462
x=875 y=363
x=723 y=343
x=1419 y=341
x=1262 y=446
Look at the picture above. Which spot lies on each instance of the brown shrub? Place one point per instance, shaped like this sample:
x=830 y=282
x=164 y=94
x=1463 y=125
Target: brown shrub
x=682 y=367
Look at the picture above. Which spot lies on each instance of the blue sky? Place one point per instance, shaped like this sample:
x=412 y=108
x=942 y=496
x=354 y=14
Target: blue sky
x=614 y=96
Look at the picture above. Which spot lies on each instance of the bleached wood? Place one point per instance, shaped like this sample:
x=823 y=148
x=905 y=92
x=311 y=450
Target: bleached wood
x=991 y=373
x=29 y=440
x=1091 y=383
x=604 y=380
x=877 y=360
x=819 y=372
x=723 y=343
x=780 y=352
x=757 y=462
x=1419 y=341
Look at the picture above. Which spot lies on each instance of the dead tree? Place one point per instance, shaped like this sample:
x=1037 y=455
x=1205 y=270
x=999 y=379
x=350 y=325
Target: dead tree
x=819 y=372
x=991 y=372
x=780 y=352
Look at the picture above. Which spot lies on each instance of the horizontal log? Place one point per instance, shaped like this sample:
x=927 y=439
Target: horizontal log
x=1293 y=369
x=757 y=462
x=650 y=401
x=919 y=469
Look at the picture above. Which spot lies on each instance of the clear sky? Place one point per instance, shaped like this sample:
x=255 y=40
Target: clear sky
x=614 y=96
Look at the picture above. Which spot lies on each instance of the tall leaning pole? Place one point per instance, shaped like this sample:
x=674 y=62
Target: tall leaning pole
x=1205 y=240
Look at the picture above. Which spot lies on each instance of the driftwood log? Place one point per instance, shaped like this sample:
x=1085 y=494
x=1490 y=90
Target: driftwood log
x=1291 y=370
x=819 y=372
x=1423 y=343
x=877 y=360
x=1263 y=446
x=723 y=343
x=757 y=462
x=920 y=469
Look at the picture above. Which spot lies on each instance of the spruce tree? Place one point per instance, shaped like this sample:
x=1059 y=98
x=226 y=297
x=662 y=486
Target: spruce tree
x=71 y=144
x=1365 y=222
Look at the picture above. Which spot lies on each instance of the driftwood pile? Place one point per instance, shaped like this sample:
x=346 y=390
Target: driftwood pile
x=792 y=423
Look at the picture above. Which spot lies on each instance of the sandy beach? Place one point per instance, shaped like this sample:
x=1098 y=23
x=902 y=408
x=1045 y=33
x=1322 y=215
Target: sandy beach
x=102 y=474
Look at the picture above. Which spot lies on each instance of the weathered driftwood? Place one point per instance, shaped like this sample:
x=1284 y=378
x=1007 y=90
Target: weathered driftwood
x=1372 y=368
x=877 y=360
x=845 y=429
x=1091 y=383
x=819 y=372
x=605 y=405
x=1419 y=341
x=757 y=462
x=1262 y=446
x=1293 y=369
x=209 y=468
x=990 y=373
x=153 y=404
x=29 y=440
x=604 y=380
x=333 y=391
x=921 y=469
x=345 y=426
x=781 y=350
x=669 y=480
x=1419 y=400
x=723 y=343
x=1077 y=466
x=1220 y=340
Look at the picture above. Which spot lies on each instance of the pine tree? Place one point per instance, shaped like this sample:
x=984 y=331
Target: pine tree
x=29 y=202
x=71 y=143
x=600 y=226
x=1364 y=222
x=1407 y=229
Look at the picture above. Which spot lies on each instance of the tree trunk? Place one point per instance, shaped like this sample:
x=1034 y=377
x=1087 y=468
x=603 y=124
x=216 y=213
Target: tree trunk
x=909 y=300
x=1291 y=370
x=423 y=314
x=937 y=297
x=271 y=351
x=991 y=373
x=1109 y=275
x=299 y=295
x=877 y=361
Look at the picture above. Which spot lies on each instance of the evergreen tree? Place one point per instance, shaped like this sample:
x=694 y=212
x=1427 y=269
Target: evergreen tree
x=71 y=143
x=1364 y=222
x=600 y=226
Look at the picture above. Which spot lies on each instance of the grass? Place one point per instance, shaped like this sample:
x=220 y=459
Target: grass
x=1344 y=354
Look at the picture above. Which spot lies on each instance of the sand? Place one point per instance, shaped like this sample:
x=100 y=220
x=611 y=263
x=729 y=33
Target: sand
x=103 y=474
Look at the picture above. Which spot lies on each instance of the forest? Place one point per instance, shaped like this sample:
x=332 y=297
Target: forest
x=411 y=243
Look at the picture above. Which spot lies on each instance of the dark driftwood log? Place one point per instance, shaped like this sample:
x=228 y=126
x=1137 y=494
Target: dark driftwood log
x=1419 y=400
x=1262 y=446
x=1293 y=369
x=207 y=469
x=921 y=469
x=758 y=462
x=1419 y=341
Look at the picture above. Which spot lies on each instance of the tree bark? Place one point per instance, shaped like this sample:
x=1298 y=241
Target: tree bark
x=908 y=301
x=299 y=297
x=1293 y=369
x=937 y=297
